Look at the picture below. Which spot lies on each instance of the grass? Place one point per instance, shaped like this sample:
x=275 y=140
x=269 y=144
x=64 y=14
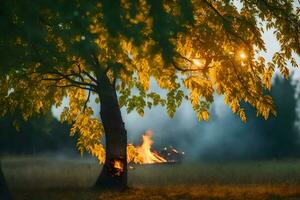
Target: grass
x=44 y=178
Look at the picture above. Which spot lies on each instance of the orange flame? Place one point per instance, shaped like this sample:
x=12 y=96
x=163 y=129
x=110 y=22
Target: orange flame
x=118 y=167
x=147 y=156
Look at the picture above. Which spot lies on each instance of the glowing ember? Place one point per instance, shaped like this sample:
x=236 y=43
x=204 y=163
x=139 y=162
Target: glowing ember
x=144 y=151
x=118 y=167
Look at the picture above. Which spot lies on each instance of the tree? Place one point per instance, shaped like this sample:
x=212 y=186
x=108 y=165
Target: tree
x=280 y=134
x=112 y=49
x=226 y=138
x=4 y=193
x=38 y=134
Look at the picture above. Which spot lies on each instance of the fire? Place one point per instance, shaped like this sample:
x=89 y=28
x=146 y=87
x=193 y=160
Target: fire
x=117 y=167
x=144 y=150
x=143 y=154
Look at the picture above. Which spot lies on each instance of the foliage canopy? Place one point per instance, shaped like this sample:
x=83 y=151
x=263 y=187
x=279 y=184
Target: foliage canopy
x=55 y=49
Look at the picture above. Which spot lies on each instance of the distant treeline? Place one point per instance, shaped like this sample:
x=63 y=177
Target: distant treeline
x=276 y=138
x=225 y=137
x=39 y=134
x=280 y=135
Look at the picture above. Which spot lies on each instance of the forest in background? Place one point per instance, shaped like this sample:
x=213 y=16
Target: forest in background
x=276 y=138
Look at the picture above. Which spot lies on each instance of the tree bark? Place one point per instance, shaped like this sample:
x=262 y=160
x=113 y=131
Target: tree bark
x=114 y=172
x=4 y=193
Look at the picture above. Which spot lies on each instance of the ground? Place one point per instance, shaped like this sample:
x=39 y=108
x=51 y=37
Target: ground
x=44 y=178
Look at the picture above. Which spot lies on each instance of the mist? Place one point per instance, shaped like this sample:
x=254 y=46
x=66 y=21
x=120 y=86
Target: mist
x=224 y=136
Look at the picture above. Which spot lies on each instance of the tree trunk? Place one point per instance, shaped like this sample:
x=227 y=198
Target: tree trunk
x=114 y=172
x=4 y=193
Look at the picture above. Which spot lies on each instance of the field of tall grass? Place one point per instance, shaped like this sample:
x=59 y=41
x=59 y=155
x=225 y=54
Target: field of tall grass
x=44 y=178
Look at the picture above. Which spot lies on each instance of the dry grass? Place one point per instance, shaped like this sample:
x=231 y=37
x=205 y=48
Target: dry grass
x=209 y=192
x=54 y=179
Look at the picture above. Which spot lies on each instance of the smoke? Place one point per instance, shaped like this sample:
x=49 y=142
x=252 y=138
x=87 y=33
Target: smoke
x=223 y=136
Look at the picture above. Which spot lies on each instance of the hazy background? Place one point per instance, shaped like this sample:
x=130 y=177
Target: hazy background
x=224 y=136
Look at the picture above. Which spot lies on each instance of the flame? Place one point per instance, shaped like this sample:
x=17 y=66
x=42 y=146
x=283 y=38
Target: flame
x=118 y=167
x=144 y=155
x=144 y=150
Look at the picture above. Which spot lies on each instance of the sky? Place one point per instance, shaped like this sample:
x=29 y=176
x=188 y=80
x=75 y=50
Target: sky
x=197 y=137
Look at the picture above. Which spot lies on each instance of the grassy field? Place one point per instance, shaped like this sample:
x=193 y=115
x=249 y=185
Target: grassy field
x=70 y=179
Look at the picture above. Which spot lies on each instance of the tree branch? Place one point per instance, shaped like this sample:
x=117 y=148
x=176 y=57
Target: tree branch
x=96 y=60
x=207 y=62
x=90 y=76
x=87 y=100
x=245 y=87
x=51 y=79
x=225 y=21
x=67 y=77
x=73 y=85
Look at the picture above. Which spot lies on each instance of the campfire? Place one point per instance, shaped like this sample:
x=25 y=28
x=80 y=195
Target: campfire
x=149 y=156
x=145 y=152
